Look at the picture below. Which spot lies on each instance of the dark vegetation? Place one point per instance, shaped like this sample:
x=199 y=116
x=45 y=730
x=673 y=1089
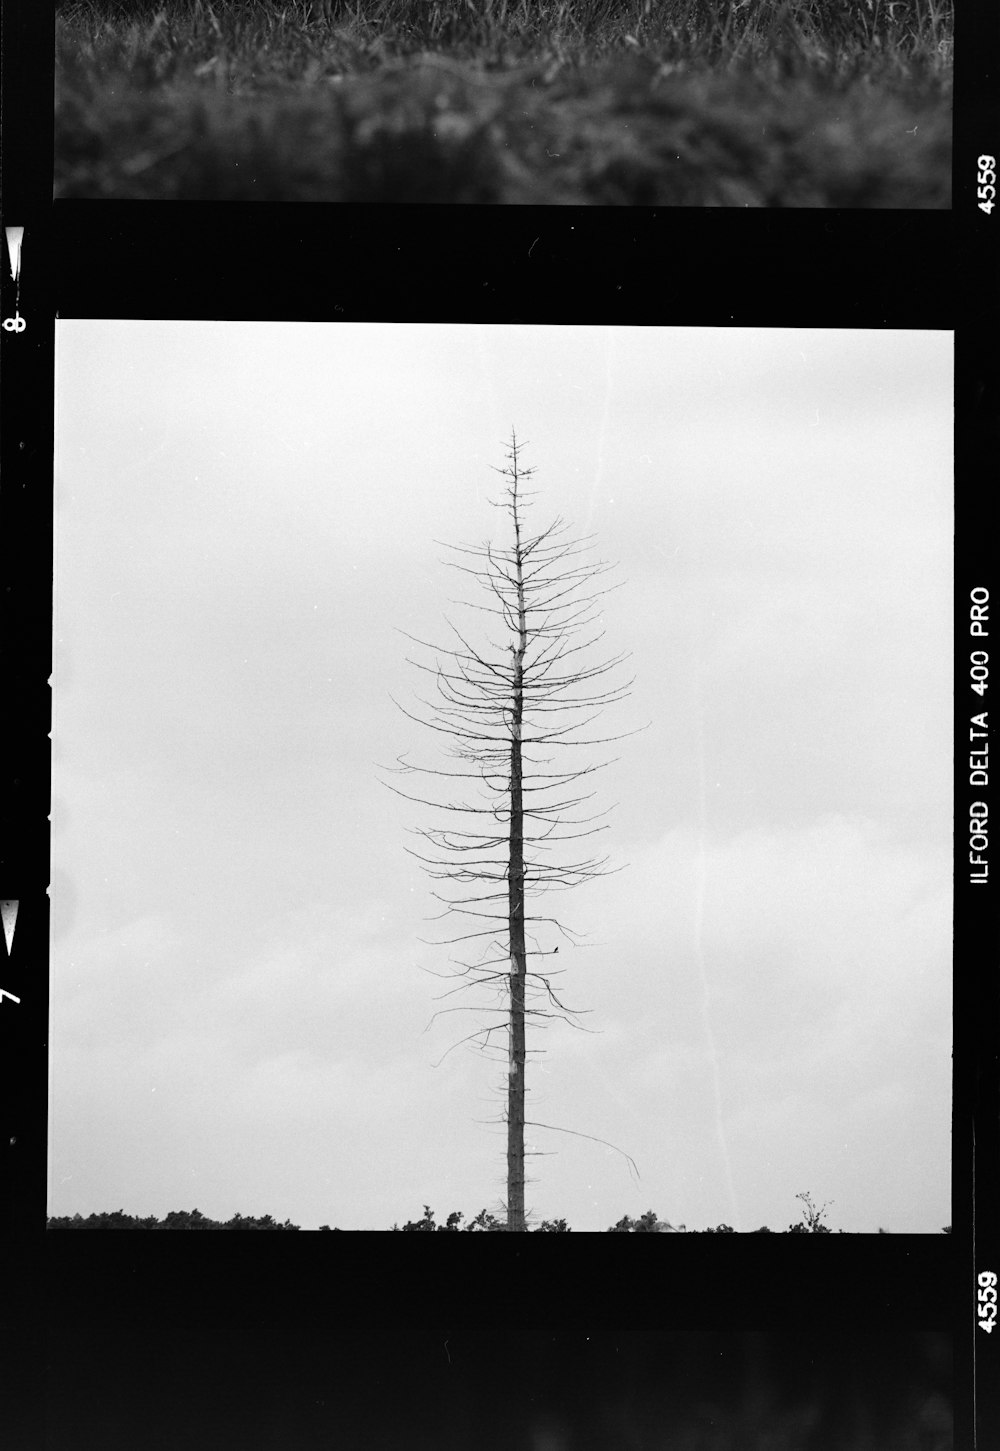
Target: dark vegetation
x=176 y=1219
x=484 y=1222
x=734 y=103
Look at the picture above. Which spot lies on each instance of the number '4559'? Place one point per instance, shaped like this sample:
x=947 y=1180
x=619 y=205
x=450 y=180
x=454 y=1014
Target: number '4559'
x=987 y=1307
x=987 y=183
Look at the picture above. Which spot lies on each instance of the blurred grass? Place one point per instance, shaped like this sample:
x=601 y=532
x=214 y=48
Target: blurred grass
x=756 y=103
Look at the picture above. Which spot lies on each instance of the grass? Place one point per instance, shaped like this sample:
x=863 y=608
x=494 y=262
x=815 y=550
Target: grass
x=743 y=103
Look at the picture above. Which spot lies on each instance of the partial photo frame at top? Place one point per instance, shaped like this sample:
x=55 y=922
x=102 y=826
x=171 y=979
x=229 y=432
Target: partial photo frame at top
x=842 y=104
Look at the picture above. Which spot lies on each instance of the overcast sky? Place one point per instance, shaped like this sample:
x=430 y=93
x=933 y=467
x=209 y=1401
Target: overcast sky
x=246 y=516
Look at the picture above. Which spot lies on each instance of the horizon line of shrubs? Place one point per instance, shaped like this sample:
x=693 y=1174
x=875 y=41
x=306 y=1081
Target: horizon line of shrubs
x=483 y=1222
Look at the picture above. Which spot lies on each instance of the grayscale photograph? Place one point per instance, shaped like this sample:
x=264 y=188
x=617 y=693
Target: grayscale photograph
x=502 y=781
x=606 y=103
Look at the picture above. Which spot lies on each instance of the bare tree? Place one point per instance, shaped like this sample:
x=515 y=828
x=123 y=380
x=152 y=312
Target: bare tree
x=510 y=712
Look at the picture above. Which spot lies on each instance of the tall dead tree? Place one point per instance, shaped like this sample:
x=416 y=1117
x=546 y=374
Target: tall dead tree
x=512 y=711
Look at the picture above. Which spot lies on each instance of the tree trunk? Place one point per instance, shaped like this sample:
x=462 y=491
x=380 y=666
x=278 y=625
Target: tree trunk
x=515 y=913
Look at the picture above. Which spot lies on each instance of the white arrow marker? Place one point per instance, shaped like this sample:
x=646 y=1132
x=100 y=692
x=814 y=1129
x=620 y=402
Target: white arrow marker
x=5 y=994
x=15 y=236
x=8 y=911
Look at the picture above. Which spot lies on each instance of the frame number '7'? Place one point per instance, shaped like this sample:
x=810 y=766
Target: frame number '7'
x=987 y=1308
x=987 y=183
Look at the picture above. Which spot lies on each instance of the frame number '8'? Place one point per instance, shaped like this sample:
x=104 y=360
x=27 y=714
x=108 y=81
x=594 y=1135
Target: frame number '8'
x=987 y=1308
x=987 y=183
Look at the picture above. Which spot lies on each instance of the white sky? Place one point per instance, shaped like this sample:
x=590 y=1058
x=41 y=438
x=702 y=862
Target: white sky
x=245 y=516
